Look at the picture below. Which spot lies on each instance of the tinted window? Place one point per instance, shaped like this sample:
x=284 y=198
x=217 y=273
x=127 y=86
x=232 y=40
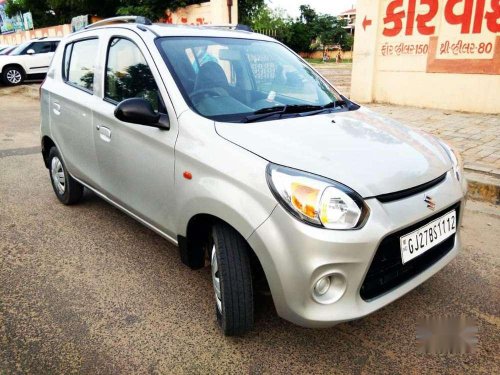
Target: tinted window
x=128 y=75
x=54 y=46
x=79 y=61
x=40 y=47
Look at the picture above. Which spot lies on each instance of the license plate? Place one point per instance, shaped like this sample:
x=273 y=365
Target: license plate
x=419 y=241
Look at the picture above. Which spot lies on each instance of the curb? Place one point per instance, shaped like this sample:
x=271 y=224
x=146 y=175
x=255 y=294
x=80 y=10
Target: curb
x=483 y=187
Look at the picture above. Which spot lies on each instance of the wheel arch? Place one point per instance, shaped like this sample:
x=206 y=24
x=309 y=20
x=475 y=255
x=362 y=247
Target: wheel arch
x=47 y=144
x=15 y=65
x=198 y=229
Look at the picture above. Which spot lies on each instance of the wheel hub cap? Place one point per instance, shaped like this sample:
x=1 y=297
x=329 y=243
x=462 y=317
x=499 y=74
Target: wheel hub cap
x=57 y=173
x=13 y=76
x=216 y=279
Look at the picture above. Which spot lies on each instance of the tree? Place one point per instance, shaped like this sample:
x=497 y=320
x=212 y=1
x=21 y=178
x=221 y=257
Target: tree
x=152 y=9
x=248 y=9
x=273 y=20
x=330 y=31
x=56 y=12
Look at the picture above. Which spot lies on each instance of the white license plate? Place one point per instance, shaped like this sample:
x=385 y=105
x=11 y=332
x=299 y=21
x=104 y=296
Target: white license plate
x=419 y=241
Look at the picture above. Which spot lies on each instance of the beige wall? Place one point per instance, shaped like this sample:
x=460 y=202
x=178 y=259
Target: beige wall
x=441 y=54
x=210 y=12
x=22 y=36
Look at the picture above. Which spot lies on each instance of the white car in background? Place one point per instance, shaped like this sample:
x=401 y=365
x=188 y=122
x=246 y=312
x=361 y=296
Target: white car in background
x=30 y=59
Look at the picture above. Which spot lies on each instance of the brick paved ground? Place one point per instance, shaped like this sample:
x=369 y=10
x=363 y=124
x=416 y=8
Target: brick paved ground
x=475 y=136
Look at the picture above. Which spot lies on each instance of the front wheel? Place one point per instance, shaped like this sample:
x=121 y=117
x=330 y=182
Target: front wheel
x=232 y=280
x=13 y=75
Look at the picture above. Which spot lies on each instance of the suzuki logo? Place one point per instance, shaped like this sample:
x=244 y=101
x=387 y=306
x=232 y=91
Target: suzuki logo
x=430 y=203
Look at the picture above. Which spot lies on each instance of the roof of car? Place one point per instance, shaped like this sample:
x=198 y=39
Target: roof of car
x=164 y=30
x=46 y=39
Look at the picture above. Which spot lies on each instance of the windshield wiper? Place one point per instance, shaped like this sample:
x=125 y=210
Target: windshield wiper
x=327 y=108
x=280 y=110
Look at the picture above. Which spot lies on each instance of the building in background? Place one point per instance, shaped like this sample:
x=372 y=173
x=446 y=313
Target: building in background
x=350 y=17
x=439 y=53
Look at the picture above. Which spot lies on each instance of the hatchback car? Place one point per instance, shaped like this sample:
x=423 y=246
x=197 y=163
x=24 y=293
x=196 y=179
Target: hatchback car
x=232 y=147
x=29 y=60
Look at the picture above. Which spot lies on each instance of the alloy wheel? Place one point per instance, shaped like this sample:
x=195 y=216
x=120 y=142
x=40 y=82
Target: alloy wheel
x=14 y=76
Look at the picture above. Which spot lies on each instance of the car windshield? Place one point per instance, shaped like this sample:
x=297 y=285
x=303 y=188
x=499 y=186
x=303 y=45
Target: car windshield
x=20 y=48
x=7 y=51
x=242 y=80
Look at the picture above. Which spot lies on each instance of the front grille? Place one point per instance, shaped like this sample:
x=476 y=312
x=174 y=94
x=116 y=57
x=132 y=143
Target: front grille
x=387 y=271
x=391 y=197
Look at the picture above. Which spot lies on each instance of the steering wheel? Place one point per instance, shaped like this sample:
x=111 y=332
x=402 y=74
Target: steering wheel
x=214 y=91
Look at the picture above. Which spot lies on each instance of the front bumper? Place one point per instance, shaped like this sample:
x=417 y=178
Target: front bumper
x=295 y=255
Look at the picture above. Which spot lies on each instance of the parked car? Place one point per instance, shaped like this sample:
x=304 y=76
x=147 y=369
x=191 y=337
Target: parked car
x=28 y=60
x=7 y=50
x=229 y=145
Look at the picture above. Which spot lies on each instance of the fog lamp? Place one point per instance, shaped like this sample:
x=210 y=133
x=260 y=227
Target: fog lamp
x=322 y=286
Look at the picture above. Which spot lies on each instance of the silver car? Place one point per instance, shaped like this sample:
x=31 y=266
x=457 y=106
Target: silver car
x=232 y=147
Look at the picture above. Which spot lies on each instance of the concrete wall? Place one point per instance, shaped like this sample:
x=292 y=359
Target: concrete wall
x=210 y=12
x=22 y=36
x=428 y=53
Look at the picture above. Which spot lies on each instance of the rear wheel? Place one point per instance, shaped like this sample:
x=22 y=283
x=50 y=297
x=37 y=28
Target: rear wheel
x=67 y=189
x=13 y=75
x=232 y=280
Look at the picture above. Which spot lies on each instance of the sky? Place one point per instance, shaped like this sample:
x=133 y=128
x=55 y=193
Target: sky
x=332 y=7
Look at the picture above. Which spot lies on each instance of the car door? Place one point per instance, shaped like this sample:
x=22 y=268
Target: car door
x=71 y=94
x=39 y=61
x=136 y=161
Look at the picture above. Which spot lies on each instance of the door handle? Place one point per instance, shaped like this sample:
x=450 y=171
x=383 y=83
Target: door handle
x=56 y=108
x=104 y=133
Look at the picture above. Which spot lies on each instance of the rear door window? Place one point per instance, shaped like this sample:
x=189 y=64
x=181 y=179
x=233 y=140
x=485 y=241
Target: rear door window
x=79 y=63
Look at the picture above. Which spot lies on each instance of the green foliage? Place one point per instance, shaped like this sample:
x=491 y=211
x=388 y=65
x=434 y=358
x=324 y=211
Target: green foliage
x=56 y=12
x=152 y=9
x=306 y=33
x=248 y=9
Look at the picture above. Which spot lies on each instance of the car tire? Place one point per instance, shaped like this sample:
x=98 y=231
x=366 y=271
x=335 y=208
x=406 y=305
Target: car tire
x=13 y=75
x=67 y=189
x=231 y=271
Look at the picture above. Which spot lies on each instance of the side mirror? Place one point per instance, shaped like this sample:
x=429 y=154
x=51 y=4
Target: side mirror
x=139 y=111
x=31 y=51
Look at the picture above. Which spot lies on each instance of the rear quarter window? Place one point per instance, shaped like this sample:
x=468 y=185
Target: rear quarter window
x=79 y=62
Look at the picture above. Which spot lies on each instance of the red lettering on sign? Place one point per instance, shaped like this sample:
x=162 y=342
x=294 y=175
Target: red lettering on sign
x=478 y=18
x=463 y=19
x=394 y=17
x=493 y=17
x=468 y=14
x=411 y=17
x=423 y=19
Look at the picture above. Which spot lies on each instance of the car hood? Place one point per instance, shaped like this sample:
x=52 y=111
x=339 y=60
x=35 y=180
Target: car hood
x=361 y=149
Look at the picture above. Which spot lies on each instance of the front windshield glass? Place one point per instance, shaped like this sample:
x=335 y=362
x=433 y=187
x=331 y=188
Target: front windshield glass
x=228 y=79
x=20 y=48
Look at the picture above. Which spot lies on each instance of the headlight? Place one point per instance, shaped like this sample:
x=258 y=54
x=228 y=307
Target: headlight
x=316 y=200
x=455 y=158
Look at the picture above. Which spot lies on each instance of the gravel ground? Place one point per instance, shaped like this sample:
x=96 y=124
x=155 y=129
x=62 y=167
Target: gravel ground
x=86 y=289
